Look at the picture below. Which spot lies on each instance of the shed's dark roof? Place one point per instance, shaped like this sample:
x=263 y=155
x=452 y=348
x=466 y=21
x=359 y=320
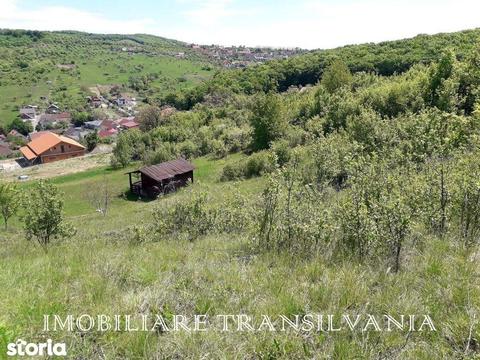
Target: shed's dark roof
x=167 y=169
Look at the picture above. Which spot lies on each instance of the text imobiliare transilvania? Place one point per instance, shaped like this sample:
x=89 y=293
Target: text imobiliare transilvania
x=239 y=322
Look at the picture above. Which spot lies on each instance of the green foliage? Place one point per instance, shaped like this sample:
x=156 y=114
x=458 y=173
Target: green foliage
x=385 y=59
x=378 y=213
x=282 y=151
x=9 y=201
x=129 y=147
x=376 y=177
x=257 y=164
x=163 y=152
x=332 y=160
x=43 y=215
x=336 y=76
x=150 y=117
x=80 y=118
x=293 y=217
x=91 y=140
x=23 y=127
x=198 y=216
x=465 y=198
x=267 y=120
x=63 y=66
x=440 y=74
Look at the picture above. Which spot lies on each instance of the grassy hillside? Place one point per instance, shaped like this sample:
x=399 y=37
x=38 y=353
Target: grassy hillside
x=37 y=67
x=104 y=270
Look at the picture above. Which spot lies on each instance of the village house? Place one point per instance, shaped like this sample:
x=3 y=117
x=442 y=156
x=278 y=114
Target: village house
x=28 y=113
x=14 y=133
x=94 y=101
x=105 y=133
x=48 y=147
x=108 y=124
x=53 y=109
x=125 y=101
x=35 y=134
x=76 y=133
x=93 y=125
x=49 y=121
x=161 y=178
x=128 y=123
x=121 y=101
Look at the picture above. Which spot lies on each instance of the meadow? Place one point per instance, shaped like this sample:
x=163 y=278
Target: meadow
x=103 y=269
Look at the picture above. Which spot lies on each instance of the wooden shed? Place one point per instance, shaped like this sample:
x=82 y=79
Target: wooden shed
x=161 y=178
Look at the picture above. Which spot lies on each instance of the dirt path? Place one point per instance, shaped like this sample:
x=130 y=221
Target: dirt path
x=59 y=168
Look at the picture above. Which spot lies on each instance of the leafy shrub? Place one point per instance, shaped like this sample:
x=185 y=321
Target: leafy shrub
x=292 y=217
x=198 y=215
x=256 y=164
x=282 y=151
x=377 y=214
x=163 y=152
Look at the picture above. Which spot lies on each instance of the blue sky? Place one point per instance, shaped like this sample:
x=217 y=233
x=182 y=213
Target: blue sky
x=284 y=23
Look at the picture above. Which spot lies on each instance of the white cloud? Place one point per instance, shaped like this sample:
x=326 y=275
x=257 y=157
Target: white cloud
x=373 y=20
x=66 y=18
x=322 y=24
x=308 y=23
x=209 y=13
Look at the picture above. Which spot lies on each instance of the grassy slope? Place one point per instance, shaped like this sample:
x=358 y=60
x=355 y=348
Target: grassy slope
x=100 y=271
x=98 y=61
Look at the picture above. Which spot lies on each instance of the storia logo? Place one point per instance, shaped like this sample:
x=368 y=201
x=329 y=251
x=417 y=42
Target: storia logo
x=22 y=348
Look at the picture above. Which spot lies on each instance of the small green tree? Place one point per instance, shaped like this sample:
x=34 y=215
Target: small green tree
x=442 y=85
x=466 y=197
x=44 y=218
x=81 y=117
x=22 y=127
x=123 y=151
x=150 y=117
x=92 y=140
x=8 y=201
x=268 y=121
x=131 y=145
x=336 y=75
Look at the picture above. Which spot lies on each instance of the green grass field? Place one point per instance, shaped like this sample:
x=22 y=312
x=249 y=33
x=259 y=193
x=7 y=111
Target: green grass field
x=102 y=271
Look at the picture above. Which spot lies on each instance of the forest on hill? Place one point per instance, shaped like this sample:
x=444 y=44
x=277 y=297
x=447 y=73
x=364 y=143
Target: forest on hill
x=384 y=59
x=356 y=194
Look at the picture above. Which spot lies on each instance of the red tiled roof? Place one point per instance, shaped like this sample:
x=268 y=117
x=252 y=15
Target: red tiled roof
x=130 y=124
x=107 y=132
x=126 y=120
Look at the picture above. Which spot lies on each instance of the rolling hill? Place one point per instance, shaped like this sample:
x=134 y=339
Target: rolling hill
x=37 y=67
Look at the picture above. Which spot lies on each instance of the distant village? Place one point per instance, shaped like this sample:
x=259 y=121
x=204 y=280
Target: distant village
x=242 y=56
x=57 y=128
x=55 y=135
x=226 y=56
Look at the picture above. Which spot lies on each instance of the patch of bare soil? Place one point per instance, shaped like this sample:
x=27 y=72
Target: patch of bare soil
x=59 y=168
